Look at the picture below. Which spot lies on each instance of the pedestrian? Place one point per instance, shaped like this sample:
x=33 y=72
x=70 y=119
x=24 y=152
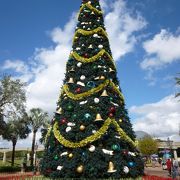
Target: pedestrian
x=175 y=169
x=169 y=166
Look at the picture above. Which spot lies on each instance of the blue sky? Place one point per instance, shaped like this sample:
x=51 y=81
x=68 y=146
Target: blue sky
x=36 y=41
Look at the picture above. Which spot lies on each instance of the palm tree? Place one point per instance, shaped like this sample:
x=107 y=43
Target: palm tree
x=15 y=129
x=37 y=118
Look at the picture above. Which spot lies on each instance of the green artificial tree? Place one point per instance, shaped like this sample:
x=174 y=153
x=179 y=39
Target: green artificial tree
x=91 y=135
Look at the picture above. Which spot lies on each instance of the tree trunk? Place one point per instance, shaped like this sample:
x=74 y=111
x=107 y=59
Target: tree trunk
x=32 y=148
x=14 y=141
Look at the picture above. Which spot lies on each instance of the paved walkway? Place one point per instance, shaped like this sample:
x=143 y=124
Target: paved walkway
x=157 y=171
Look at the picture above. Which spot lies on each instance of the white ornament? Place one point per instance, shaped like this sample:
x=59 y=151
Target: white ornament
x=89 y=2
x=79 y=64
x=100 y=46
x=126 y=169
x=92 y=12
x=59 y=168
x=90 y=22
x=83 y=23
x=83 y=45
x=96 y=100
x=92 y=148
x=64 y=154
x=114 y=104
x=132 y=153
x=68 y=129
x=83 y=102
x=71 y=124
x=118 y=137
x=105 y=70
x=105 y=151
x=94 y=131
x=84 y=27
x=89 y=29
x=80 y=83
x=95 y=35
x=83 y=77
x=97 y=6
x=78 y=48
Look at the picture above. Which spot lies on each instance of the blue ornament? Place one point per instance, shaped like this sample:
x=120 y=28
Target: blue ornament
x=91 y=84
x=87 y=116
x=131 y=164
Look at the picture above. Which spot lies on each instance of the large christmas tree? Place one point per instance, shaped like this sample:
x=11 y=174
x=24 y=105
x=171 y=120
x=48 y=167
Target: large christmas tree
x=91 y=134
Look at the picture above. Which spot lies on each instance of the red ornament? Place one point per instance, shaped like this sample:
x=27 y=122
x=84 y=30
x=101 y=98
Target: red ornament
x=125 y=152
x=78 y=90
x=63 y=121
x=112 y=109
x=111 y=115
x=86 y=55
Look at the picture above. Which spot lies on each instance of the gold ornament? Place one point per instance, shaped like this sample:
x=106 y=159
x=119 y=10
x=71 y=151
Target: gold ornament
x=71 y=81
x=104 y=93
x=70 y=155
x=82 y=128
x=98 y=118
x=59 y=111
x=102 y=78
x=71 y=70
x=80 y=169
x=111 y=70
x=111 y=168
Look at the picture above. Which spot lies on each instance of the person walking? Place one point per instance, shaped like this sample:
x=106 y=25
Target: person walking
x=169 y=166
x=175 y=169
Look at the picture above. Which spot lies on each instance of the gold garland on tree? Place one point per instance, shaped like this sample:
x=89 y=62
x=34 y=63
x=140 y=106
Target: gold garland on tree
x=92 y=91
x=91 y=138
x=87 y=33
x=92 y=59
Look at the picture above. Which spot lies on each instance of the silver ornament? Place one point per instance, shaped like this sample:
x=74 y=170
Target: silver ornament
x=96 y=100
x=126 y=169
x=83 y=77
x=92 y=148
x=100 y=46
x=79 y=64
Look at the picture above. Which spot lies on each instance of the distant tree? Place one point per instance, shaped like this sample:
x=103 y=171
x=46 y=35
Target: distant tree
x=178 y=84
x=12 y=98
x=16 y=128
x=147 y=146
x=2 y=124
x=37 y=119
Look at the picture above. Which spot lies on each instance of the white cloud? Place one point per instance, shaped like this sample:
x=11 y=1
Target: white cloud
x=160 y=119
x=121 y=23
x=162 y=49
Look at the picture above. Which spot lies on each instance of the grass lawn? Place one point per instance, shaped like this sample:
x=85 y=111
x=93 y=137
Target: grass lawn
x=17 y=162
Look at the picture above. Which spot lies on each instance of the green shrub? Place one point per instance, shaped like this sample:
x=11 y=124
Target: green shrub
x=9 y=169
